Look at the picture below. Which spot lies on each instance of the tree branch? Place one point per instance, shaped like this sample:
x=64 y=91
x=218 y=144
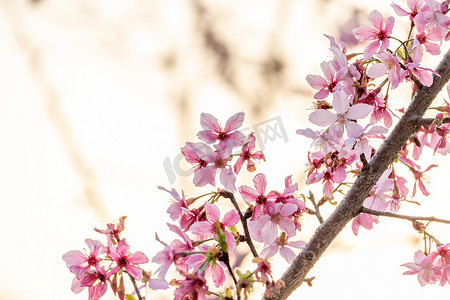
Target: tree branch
x=248 y=239
x=428 y=121
x=352 y=203
x=403 y=217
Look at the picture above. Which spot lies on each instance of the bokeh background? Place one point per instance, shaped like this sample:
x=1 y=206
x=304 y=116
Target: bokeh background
x=98 y=96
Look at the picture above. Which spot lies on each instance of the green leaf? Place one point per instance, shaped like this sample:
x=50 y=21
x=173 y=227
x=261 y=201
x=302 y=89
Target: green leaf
x=129 y=297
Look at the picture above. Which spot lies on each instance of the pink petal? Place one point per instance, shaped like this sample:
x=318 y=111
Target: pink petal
x=157 y=284
x=249 y=194
x=288 y=209
x=287 y=226
x=231 y=218
x=376 y=19
x=204 y=176
x=231 y=242
x=339 y=175
x=260 y=183
x=134 y=271
x=399 y=11
x=212 y=212
x=322 y=117
x=328 y=70
x=234 y=122
x=138 y=258
x=316 y=82
x=389 y=25
x=218 y=275
x=371 y=49
x=201 y=228
x=74 y=258
x=359 y=111
x=364 y=33
x=228 y=179
x=340 y=102
x=297 y=244
x=377 y=70
x=208 y=122
x=207 y=136
x=322 y=94
x=288 y=254
x=269 y=233
x=269 y=251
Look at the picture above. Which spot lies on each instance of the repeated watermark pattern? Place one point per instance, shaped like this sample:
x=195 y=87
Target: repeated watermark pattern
x=268 y=131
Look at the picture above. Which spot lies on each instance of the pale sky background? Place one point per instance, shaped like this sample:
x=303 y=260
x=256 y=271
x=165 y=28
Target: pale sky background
x=97 y=97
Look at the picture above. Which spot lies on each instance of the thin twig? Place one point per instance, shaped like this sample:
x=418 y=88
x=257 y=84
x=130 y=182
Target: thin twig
x=428 y=121
x=226 y=260
x=248 y=239
x=316 y=207
x=138 y=293
x=404 y=217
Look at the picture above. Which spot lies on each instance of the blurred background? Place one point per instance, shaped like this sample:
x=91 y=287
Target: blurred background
x=97 y=97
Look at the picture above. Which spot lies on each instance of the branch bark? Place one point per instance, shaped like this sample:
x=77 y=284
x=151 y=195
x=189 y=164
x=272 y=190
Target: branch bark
x=352 y=203
x=403 y=217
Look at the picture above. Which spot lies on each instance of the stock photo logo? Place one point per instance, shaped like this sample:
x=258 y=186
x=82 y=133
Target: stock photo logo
x=266 y=132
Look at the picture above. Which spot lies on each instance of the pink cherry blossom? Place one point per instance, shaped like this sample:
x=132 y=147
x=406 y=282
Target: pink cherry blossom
x=379 y=35
x=256 y=195
x=344 y=112
x=388 y=64
x=119 y=254
x=328 y=84
x=418 y=180
x=95 y=281
x=423 y=267
x=175 y=210
x=414 y=5
x=192 y=286
x=214 y=132
x=214 y=267
x=278 y=215
x=424 y=75
x=282 y=245
x=209 y=227
x=247 y=155
x=364 y=220
x=79 y=263
x=113 y=231
x=426 y=38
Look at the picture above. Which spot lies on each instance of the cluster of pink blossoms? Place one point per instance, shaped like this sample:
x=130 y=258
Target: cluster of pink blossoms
x=209 y=241
x=106 y=264
x=351 y=81
x=350 y=93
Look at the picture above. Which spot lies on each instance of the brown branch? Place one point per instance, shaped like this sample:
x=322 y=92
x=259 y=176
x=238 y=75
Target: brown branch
x=248 y=239
x=316 y=207
x=403 y=217
x=352 y=203
x=428 y=121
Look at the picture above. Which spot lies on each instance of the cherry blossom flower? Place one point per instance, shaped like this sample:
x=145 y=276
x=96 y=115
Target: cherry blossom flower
x=379 y=35
x=113 y=231
x=418 y=180
x=424 y=75
x=358 y=139
x=414 y=5
x=247 y=155
x=443 y=261
x=390 y=64
x=278 y=215
x=79 y=263
x=95 y=281
x=344 y=113
x=213 y=224
x=256 y=195
x=214 y=132
x=364 y=220
x=263 y=272
x=328 y=84
x=426 y=38
x=119 y=254
x=175 y=210
x=423 y=267
x=214 y=267
x=193 y=286
x=282 y=245
x=328 y=140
